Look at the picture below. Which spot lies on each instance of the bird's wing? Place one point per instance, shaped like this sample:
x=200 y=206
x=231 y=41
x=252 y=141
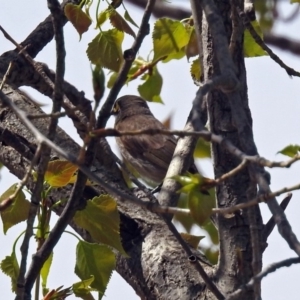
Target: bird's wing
x=157 y=149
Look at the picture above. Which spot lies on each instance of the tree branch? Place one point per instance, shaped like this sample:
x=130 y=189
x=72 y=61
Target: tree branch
x=164 y=9
x=290 y=71
x=283 y=43
x=258 y=278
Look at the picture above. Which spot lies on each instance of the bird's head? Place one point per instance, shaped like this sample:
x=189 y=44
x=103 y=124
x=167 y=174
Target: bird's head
x=128 y=106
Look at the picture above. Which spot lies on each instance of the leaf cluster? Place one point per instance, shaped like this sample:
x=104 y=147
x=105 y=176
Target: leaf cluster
x=172 y=39
x=94 y=262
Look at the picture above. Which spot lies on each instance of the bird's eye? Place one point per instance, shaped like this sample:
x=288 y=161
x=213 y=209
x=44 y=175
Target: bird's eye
x=115 y=109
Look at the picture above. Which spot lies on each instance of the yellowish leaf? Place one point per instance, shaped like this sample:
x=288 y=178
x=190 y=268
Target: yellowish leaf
x=80 y=20
x=59 y=173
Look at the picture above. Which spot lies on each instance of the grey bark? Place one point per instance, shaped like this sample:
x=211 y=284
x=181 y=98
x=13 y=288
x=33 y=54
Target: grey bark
x=234 y=267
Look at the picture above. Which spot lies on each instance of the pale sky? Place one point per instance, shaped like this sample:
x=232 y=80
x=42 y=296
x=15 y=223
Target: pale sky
x=274 y=102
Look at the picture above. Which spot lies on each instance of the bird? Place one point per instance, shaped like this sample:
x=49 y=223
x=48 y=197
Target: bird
x=148 y=155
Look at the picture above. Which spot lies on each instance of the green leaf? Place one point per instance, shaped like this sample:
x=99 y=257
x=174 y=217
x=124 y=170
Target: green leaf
x=212 y=255
x=10 y=267
x=82 y=289
x=129 y=19
x=185 y=220
x=119 y=23
x=290 y=150
x=295 y=1
x=195 y=179
x=169 y=36
x=187 y=188
x=202 y=149
x=189 y=182
x=80 y=20
x=151 y=88
x=101 y=219
x=102 y=17
x=195 y=70
x=200 y=206
x=98 y=82
x=112 y=79
x=17 y=211
x=212 y=231
x=183 y=180
x=251 y=48
x=45 y=271
x=177 y=55
x=105 y=49
x=192 y=240
x=94 y=260
x=59 y=173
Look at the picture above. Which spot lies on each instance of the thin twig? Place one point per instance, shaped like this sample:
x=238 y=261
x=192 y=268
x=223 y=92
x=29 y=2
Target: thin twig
x=271 y=223
x=51 y=115
x=144 y=68
x=261 y=43
x=208 y=136
x=284 y=227
x=258 y=278
x=231 y=173
x=34 y=205
x=6 y=74
x=283 y=42
x=256 y=243
x=257 y=200
x=164 y=9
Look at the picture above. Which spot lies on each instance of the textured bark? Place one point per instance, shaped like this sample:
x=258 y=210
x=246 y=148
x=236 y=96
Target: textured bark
x=234 y=268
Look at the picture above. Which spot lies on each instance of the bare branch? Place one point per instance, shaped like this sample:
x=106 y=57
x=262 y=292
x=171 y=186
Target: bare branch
x=208 y=136
x=164 y=9
x=283 y=42
x=260 y=42
x=257 y=200
x=269 y=269
x=271 y=223
x=283 y=224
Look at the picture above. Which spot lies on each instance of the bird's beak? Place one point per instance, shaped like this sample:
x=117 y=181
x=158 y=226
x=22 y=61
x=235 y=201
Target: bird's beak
x=115 y=110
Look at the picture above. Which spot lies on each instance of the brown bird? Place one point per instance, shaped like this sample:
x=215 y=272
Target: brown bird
x=149 y=155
